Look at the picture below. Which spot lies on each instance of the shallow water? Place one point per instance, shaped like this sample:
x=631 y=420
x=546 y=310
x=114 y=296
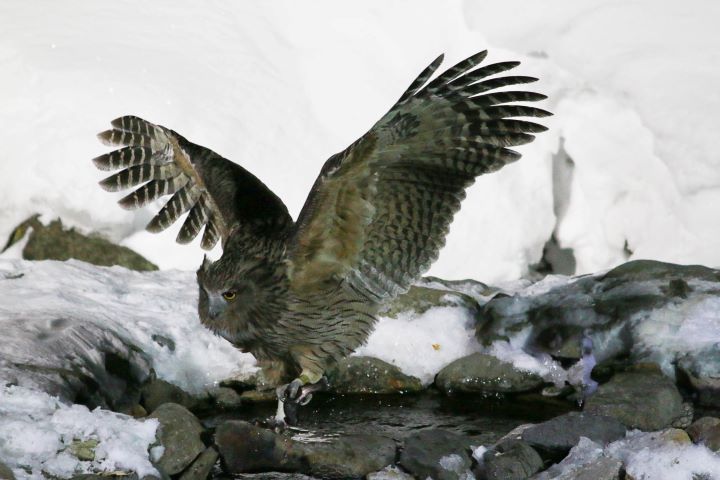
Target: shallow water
x=398 y=416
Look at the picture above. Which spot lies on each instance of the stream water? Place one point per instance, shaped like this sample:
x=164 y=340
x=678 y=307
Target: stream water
x=398 y=416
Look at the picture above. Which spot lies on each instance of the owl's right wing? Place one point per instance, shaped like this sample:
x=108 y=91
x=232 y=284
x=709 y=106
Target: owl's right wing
x=219 y=194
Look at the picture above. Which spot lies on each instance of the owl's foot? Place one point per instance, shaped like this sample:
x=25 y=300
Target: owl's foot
x=294 y=395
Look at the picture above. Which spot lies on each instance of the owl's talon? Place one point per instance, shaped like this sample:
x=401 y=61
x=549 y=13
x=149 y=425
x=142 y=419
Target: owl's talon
x=304 y=398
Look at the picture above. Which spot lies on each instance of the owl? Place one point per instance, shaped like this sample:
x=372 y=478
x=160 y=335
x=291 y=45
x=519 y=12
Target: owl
x=301 y=295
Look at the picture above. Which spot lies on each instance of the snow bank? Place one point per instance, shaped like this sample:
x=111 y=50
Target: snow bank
x=279 y=87
x=140 y=307
x=38 y=435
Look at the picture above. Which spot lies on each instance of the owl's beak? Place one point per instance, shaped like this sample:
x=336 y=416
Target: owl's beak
x=216 y=306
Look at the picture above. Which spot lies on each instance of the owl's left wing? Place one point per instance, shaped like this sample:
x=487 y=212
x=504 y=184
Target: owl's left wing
x=219 y=195
x=379 y=212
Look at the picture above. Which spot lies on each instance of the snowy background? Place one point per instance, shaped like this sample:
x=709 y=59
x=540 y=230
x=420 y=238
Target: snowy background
x=629 y=168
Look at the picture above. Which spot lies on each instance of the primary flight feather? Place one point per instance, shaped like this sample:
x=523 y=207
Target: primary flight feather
x=302 y=295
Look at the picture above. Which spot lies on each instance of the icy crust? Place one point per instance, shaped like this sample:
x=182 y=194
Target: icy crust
x=156 y=312
x=39 y=436
x=644 y=455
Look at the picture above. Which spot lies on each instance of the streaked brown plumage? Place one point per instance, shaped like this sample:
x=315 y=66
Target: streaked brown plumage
x=301 y=295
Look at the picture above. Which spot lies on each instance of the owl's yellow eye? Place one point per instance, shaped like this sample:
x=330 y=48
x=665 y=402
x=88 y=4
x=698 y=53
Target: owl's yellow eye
x=229 y=296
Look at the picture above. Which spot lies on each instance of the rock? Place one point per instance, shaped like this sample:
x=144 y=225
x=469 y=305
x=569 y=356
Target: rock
x=555 y=437
x=432 y=292
x=511 y=460
x=53 y=242
x=157 y=392
x=701 y=372
x=350 y=456
x=6 y=472
x=586 y=461
x=706 y=431
x=370 y=375
x=481 y=373
x=83 y=450
x=247 y=448
x=615 y=309
x=435 y=453
x=390 y=473
x=202 y=466
x=646 y=400
x=180 y=435
x=225 y=398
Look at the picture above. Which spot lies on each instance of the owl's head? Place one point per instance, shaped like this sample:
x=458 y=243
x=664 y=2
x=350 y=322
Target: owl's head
x=233 y=291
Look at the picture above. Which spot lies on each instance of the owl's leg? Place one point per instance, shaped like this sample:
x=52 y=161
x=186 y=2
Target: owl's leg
x=296 y=393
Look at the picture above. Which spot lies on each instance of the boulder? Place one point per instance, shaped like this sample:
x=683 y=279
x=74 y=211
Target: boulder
x=370 y=375
x=586 y=461
x=157 y=392
x=435 y=453
x=607 y=307
x=481 y=373
x=180 y=435
x=643 y=399
x=555 y=437
x=6 y=472
x=246 y=448
x=350 y=456
x=706 y=431
x=433 y=292
x=54 y=242
x=700 y=370
x=202 y=466
x=511 y=460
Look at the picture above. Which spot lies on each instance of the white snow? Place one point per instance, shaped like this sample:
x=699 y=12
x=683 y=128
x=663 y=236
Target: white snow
x=37 y=433
x=421 y=345
x=135 y=305
x=649 y=455
x=279 y=87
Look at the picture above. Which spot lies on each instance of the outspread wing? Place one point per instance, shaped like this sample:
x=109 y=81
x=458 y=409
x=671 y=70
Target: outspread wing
x=379 y=212
x=219 y=194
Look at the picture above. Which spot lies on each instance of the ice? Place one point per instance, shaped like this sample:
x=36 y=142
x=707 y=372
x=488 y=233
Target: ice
x=37 y=433
x=140 y=307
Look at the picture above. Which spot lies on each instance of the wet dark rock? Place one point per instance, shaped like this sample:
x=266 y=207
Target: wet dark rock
x=555 y=437
x=701 y=371
x=480 y=373
x=54 y=242
x=706 y=431
x=511 y=460
x=350 y=456
x=390 y=473
x=246 y=448
x=6 y=472
x=604 y=468
x=157 y=392
x=180 y=434
x=435 y=453
x=644 y=399
x=202 y=466
x=225 y=398
x=370 y=375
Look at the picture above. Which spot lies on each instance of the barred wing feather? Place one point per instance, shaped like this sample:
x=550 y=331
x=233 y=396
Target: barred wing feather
x=219 y=195
x=380 y=210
